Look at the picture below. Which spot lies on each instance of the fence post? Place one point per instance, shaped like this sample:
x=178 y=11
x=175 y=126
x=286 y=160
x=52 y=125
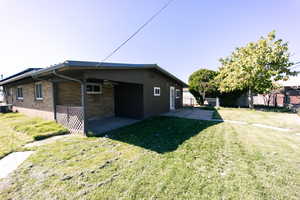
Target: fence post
x=217 y=102
x=83 y=102
x=68 y=116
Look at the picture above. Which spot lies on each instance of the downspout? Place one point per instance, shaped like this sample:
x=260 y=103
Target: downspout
x=66 y=77
x=83 y=98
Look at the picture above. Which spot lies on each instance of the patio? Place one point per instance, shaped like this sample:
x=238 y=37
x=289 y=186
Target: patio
x=101 y=126
x=191 y=113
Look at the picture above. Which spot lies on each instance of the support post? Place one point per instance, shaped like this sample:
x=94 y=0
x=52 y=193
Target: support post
x=83 y=104
x=54 y=90
x=217 y=102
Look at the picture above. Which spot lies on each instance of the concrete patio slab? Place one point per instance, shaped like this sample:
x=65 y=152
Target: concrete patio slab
x=100 y=126
x=193 y=113
x=11 y=162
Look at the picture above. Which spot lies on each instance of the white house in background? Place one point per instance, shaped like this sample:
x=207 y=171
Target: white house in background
x=1 y=90
x=1 y=95
x=188 y=98
x=294 y=81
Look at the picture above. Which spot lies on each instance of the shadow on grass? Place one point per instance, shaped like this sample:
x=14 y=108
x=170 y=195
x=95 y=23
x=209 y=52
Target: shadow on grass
x=216 y=114
x=159 y=134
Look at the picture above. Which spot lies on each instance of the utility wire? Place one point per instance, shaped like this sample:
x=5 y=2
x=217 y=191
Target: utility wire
x=295 y=65
x=139 y=29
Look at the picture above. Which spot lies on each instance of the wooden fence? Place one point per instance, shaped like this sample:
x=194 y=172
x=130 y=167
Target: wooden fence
x=71 y=117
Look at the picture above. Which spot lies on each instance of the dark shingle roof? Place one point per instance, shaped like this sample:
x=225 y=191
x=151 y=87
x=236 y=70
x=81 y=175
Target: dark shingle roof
x=20 y=73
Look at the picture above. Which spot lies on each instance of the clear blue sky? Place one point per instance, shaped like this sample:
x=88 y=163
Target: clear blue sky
x=189 y=35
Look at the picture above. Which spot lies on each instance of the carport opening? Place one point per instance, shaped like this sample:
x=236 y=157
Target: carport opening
x=129 y=100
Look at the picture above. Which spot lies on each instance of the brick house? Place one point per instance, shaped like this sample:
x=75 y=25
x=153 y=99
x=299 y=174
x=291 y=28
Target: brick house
x=74 y=92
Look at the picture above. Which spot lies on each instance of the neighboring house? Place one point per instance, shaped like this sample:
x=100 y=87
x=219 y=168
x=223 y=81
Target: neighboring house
x=287 y=96
x=74 y=92
x=188 y=98
x=292 y=97
x=1 y=95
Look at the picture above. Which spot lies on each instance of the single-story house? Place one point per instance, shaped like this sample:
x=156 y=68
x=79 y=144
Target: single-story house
x=74 y=92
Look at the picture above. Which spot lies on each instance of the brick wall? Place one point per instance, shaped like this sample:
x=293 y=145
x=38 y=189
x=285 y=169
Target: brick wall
x=97 y=105
x=294 y=99
x=29 y=105
x=101 y=105
x=68 y=93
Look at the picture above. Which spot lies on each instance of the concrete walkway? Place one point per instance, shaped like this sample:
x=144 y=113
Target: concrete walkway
x=199 y=114
x=191 y=114
x=11 y=162
x=46 y=141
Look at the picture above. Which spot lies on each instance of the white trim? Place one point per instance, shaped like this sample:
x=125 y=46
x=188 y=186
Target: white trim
x=154 y=90
x=17 y=93
x=177 y=90
x=93 y=92
x=172 y=98
x=35 y=91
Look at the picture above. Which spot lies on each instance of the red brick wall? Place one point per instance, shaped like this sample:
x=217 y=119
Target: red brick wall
x=294 y=99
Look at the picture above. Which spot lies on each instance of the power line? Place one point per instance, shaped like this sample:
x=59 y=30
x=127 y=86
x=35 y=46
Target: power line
x=296 y=64
x=139 y=29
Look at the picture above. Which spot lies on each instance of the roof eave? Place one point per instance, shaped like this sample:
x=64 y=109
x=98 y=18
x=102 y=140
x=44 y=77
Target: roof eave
x=100 y=65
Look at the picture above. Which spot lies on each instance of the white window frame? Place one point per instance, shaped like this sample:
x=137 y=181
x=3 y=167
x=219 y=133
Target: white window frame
x=94 y=92
x=154 y=91
x=41 y=97
x=176 y=93
x=17 y=93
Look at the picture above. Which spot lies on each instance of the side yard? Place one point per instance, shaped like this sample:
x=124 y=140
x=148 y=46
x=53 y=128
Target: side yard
x=164 y=158
x=16 y=130
x=277 y=119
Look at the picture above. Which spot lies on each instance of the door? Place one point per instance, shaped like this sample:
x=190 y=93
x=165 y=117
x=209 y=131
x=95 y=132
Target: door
x=129 y=100
x=172 y=98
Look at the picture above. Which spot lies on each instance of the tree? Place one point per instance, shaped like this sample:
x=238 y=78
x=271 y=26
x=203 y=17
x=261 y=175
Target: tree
x=255 y=67
x=271 y=95
x=202 y=83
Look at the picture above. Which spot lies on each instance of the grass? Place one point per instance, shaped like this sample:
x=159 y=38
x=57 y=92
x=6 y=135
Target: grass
x=17 y=130
x=277 y=119
x=164 y=158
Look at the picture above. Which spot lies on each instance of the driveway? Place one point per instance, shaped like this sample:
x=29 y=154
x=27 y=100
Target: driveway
x=191 y=113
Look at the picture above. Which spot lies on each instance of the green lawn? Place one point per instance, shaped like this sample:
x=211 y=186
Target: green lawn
x=277 y=119
x=164 y=158
x=16 y=130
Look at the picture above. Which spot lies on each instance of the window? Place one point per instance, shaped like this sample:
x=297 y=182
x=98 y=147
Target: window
x=178 y=93
x=38 y=91
x=93 y=88
x=19 y=93
x=156 y=91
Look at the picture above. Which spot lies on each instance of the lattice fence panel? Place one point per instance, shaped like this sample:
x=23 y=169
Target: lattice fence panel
x=71 y=117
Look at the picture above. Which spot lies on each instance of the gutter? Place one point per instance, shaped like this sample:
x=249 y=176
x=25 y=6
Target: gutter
x=66 y=77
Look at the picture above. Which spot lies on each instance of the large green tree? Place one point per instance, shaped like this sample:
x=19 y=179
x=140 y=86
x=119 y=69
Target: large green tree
x=255 y=67
x=202 y=83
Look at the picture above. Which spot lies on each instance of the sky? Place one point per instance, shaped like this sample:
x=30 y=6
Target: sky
x=187 y=36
